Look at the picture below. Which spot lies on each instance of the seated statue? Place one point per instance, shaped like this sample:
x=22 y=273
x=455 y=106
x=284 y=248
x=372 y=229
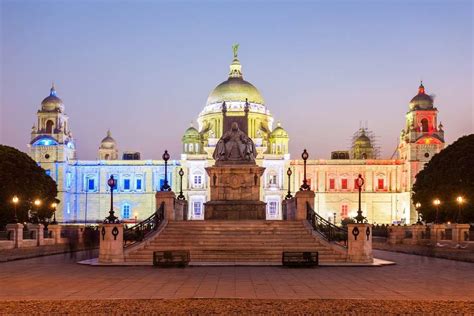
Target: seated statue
x=235 y=146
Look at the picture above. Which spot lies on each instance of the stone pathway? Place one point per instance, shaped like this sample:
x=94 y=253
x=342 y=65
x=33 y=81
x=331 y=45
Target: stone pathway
x=412 y=278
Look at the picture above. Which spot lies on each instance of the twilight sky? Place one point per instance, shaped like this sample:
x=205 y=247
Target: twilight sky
x=144 y=69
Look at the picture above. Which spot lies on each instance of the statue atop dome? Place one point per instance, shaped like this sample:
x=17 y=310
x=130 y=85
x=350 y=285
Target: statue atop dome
x=235 y=147
x=235 y=48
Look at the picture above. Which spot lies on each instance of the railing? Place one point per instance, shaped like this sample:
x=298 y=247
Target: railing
x=47 y=233
x=5 y=235
x=326 y=229
x=140 y=231
x=380 y=231
x=29 y=234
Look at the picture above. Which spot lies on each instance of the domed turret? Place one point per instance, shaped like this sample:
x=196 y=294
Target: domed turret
x=108 y=148
x=52 y=102
x=192 y=141
x=278 y=141
x=362 y=147
x=421 y=101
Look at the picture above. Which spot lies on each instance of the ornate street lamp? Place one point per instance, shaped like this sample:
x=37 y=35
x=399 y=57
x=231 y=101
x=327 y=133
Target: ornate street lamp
x=436 y=203
x=417 y=206
x=460 y=200
x=304 y=186
x=289 y=173
x=15 y=201
x=360 y=182
x=37 y=203
x=181 y=195
x=111 y=219
x=53 y=206
x=166 y=186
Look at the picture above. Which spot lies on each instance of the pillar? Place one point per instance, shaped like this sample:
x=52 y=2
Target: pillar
x=17 y=233
x=168 y=197
x=111 y=243
x=302 y=199
x=460 y=232
x=359 y=243
x=56 y=232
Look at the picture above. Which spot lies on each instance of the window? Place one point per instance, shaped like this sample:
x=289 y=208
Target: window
x=138 y=185
x=424 y=125
x=197 y=180
x=49 y=127
x=197 y=208
x=332 y=184
x=90 y=184
x=344 y=211
x=272 y=208
x=272 y=179
x=68 y=180
x=380 y=184
x=191 y=147
x=356 y=186
x=126 y=184
x=48 y=172
x=344 y=184
x=126 y=211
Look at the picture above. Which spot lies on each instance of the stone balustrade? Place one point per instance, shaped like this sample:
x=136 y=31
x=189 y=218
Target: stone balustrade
x=430 y=234
x=35 y=235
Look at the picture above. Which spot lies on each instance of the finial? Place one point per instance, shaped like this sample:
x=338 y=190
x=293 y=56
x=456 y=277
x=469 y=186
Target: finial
x=421 y=88
x=191 y=124
x=52 y=91
x=109 y=134
x=279 y=124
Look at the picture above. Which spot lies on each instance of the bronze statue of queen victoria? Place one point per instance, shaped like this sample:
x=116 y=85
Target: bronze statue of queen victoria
x=235 y=147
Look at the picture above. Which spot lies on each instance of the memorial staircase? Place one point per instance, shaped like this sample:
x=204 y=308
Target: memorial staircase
x=243 y=242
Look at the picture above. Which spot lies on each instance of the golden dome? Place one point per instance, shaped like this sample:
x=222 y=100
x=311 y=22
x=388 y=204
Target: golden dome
x=235 y=89
x=363 y=140
x=279 y=132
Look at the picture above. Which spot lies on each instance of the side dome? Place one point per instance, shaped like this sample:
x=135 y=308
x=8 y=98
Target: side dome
x=421 y=101
x=279 y=132
x=108 y=142
x=52 y=102
x=191 y=133
x=363 y=140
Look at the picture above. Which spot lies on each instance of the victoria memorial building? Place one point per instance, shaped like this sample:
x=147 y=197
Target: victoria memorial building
x=84 y=193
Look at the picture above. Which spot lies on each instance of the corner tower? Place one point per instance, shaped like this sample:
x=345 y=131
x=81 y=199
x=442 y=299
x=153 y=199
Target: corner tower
x=51 y=138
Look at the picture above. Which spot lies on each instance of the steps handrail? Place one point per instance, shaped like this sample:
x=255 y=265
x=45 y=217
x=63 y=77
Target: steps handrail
x=326 y=229
x=140 y=231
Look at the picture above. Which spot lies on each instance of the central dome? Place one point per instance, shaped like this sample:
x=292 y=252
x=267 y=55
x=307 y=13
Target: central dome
x=235 y=89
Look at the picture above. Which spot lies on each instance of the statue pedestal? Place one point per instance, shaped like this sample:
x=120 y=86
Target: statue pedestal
x=235 y=193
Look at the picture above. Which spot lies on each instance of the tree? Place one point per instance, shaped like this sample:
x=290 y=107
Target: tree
x=446 y=176
x=22 y=177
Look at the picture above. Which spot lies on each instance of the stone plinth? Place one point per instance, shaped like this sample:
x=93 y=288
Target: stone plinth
x=460 y=232
x=168 y=197
x=359 y=243
x=235 y=192
x=302 y=199
x=111 y=243
x=230 y=210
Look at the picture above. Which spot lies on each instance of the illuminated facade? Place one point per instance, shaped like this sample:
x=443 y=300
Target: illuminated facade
x=84 y=193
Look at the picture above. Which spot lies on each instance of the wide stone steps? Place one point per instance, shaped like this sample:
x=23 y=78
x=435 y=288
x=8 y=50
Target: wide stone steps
x=236 y=242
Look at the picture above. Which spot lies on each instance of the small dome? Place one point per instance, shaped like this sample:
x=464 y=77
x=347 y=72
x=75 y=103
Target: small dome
x=191 y=134
x=108 y=142
x=421 y=101
x=52 y=102
x=279 y=132
x=363 y=140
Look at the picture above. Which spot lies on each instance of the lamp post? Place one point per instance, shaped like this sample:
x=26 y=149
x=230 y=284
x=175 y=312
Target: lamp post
x=289 y=173
x=111 y=219
x=181 y=195
x=37 y=203
x=360 y=182
x=417 y=206
x=305 y=186
x=15 y=201
x=166 y=186
x=334 y=218
x=436 y=203
x=460 y=201
x=53 y=206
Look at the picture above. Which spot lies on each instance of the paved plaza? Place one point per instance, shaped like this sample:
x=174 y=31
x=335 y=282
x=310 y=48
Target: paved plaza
x=412 y=278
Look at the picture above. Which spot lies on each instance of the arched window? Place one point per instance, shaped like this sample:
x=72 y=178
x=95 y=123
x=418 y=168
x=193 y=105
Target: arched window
x=126 y=211
x=107 y=156
x=49 y=126
x=424 y=125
